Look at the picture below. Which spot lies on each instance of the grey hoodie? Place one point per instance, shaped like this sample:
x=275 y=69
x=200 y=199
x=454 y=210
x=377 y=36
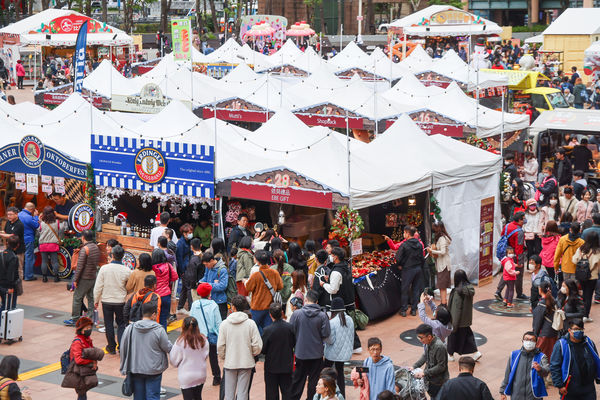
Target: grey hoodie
x=150 y=349
x=311 y=327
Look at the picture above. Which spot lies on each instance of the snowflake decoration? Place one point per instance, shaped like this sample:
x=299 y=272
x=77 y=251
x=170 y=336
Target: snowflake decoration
x=175 y=208
x=106 y=203
x=144 y=205
x=204 y=206
x=195 y=214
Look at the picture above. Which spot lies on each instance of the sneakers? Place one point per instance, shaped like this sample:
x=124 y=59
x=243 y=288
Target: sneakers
x=413 y=312
x=69 y=322
x=477 y=356
x=587 y=319
x=358 y=350
x=110 y=351
x=596 y=301
x=44 y=278
x=523 y=297
x=509 y=305
x=163 y=390
x=402 y=313
x=498 y=296
x=172 y=318
x=56 y=279
x=102 y=330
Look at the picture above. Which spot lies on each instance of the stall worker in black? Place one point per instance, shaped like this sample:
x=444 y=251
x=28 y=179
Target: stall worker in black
x=63 y=206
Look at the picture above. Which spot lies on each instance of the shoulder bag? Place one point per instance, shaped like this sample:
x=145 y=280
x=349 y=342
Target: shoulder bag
x=52 y=247
x=558 y=320
x=276 y=295
x=212 y=337
x=127 y=387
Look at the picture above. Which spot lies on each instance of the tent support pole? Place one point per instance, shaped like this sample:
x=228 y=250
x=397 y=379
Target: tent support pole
x=349 y=185
x=216 y=203
x=502 y=128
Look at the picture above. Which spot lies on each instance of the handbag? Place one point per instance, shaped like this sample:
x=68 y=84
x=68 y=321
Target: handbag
x=276 y=295
x=558 y=320
x=212 y=337
x=127 y=386
x=582 y=269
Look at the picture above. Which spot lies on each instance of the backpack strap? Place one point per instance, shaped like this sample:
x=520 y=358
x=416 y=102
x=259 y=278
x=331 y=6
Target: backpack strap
x=5 y=383
x=269 y=286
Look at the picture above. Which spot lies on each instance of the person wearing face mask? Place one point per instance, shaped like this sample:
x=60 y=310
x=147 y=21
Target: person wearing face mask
x=568 y=202
x=550 y=212
x=585 y=207
x=579 y=184
x=509 y=275
x=183 y=255
x=575 y=364
x=565 y=250
x=517 y=242
x=81 y=374
x=525 y=372
x=533 y=229
x=548 y=186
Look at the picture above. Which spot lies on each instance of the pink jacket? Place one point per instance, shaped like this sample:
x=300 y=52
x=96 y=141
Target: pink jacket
x=20 y=69
x=165 y=274
x=509 y=271
x=365 y=389
x=549 y=244
x=584 y=210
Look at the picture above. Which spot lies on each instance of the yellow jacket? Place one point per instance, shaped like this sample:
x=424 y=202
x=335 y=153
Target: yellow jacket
x=565 y=250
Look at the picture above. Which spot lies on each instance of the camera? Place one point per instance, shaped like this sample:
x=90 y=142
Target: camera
x=429 y=291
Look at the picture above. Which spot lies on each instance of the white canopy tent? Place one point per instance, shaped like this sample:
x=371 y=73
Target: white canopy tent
x=55 y=27
x=105 y=79
x=460 y=23
x=535 y=39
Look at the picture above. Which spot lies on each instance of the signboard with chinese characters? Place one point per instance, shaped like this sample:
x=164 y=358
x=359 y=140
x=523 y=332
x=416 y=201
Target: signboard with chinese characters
x=486 y=241
x=285 y=195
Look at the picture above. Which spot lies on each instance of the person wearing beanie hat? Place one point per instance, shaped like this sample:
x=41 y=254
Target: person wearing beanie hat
x=207 y=313
x=340 y=343
x=86 y=357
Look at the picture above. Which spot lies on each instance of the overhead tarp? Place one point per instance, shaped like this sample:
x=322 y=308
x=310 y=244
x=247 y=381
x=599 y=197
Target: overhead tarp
x=441 y=20
x=575 y=21
x=570 y=119
x=105 y=79
x=535 y=39
x=55 y=27
x=519 y=80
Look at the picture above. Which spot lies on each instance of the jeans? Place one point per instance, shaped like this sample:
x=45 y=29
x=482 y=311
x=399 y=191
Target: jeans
x=5 y=297
x=237 y=383
x=85 y=288
x=588 y=294
x=412 y=282
x=276 y=383
x=214 y=360
x=29 y=260
x=111 y=313
x=310 y=369
x=341 y=379
x=184 y=296
x=262 y=319
x=53 y=256
x=193 y=393
x=146 y=387
x=165 y=310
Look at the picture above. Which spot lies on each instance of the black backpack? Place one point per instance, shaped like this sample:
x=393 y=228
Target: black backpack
x=135 y=313
x=65 y=359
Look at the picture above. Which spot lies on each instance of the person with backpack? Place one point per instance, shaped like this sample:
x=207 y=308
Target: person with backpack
x=195 y=269
x=188 y=355
x=263 y=286
x=543 y=318
x=538 y=276
x=217 y=275
x=165 y=276
x=245 y=262
x=340 y=343
x=285 y=271
x=9 y=274
x=207 y=313
x=587 y=261
x=83 y=360
x=133 y=306
x=138 y=276
x=321 y=272
x=513 y=236
x=548 y=186
x=9 y=373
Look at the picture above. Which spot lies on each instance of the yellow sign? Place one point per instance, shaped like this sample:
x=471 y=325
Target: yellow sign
x=451 y=17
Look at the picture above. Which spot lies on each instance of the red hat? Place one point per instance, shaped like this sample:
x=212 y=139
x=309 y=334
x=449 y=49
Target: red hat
x=204 y=290
x=82 y=322
x=122 y=216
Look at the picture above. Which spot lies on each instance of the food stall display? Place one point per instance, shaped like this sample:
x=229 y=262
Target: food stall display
x=369 y=263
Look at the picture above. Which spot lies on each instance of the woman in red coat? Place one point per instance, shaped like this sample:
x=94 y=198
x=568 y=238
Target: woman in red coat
x=84 y=357
x=20 y=74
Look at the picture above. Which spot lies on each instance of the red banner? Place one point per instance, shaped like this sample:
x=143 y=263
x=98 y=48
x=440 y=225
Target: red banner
x=486 y=241
x=285 y=195
x=434 y=129
x=331 y=121
x=70 y=24
x=442 y=84
x=59 y=98
x=235 y=115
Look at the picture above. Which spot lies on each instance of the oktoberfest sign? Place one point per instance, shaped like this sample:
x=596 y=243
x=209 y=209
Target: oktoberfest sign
x=153 y=165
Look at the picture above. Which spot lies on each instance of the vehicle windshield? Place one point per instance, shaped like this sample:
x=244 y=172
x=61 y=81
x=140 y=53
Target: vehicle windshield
x=557 y=100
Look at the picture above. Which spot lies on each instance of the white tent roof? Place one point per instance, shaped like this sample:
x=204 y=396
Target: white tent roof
x=576 y=21
x=412 y=24
x=444 y=165
x=28 y=30
x=228 y=53
x=351 y=56
x=106 y=78
x=568 y=119
x=289 y=50
x=535 y=39
x=593 y=50
x=417 y=60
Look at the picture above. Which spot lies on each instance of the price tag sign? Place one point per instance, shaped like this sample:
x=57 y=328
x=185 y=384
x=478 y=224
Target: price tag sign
x=20 y=185
x=357 y=247
x=47 y=189
x=59 y=188
x=59 y=180
x=20 y=176
x=32 y=184
x=46 y=179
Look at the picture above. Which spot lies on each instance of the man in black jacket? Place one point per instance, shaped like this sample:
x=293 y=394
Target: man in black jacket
x=465 y=385
x=563 y=171
x=510 y=167
x=238 y=232
x=194 y=271
x=14 y=227
x=278 y=347
x=321 y=273
x=410 y=260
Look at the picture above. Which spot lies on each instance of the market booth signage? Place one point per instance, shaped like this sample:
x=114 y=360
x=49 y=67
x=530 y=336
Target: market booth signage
x=31 y=156
x=150 y=100
x=69 y=24
x=153 y=165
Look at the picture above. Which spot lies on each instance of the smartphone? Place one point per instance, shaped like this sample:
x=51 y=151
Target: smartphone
x=361 y=370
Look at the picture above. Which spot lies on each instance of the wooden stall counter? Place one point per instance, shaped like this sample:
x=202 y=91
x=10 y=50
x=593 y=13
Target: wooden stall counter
x=135 y=245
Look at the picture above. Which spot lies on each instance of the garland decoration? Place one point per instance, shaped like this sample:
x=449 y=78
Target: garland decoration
x=483 y=144
x=505 y=186
x=71 y=242
x=90 y=194
x=436 y=211
x=347 y=226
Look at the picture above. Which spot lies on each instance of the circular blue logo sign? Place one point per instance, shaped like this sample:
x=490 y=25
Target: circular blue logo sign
x=150 y=165
x=81 y=217
x=31 y=151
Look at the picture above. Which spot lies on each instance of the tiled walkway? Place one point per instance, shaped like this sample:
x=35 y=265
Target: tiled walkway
x=46 y=305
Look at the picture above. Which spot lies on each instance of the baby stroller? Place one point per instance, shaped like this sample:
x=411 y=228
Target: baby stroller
x=410 y=387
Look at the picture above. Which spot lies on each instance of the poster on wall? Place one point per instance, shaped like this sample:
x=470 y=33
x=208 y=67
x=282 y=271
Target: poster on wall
x=486 y=241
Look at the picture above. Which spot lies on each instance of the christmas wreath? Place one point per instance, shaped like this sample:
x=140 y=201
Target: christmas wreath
x=414 y=218
x=483 y=144
x=347 y=226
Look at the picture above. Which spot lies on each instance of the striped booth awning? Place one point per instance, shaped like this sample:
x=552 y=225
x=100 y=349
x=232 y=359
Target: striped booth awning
x=153 y=165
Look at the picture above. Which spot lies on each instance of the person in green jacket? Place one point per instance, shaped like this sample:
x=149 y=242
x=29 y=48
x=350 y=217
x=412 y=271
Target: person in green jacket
x=285 y=270
x=460 y=304
x=245 y=262
x=203 y=231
